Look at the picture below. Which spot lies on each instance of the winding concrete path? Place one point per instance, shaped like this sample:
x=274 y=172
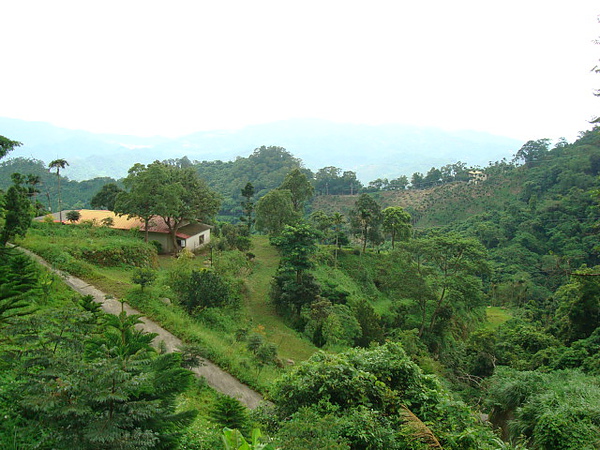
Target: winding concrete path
x=216 y=377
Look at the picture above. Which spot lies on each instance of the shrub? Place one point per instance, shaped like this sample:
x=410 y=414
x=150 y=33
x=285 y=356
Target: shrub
x=143 y=276
x=204 y=288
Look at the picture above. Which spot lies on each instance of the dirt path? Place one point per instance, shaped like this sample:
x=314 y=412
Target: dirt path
x=215 y=376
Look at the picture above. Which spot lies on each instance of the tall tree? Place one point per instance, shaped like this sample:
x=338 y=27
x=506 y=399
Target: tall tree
x=274 y=211
x=58 y=164
x=451 y=266
x=298 y=184
x=141 y=197
x=19 y=211
x=532 y=151
x=396 y=221
x=175 y=194
x=248 y=205
x=366 y=218
x=194 y=201
x=297 y=244
x=417 y=180
x=351 y=183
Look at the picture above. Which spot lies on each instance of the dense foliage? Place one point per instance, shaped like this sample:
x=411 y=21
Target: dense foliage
x=73 y=377
x=376 y=398
x=454 y=290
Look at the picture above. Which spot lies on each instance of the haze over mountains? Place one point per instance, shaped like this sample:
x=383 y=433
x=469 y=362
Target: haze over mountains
x=372 y=151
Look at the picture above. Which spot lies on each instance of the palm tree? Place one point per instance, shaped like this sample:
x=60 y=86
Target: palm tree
x=58 y=164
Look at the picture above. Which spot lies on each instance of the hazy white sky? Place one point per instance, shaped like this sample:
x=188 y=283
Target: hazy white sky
x=518 y=68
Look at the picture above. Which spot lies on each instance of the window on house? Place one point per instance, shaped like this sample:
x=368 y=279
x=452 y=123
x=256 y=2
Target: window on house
x=181 y=242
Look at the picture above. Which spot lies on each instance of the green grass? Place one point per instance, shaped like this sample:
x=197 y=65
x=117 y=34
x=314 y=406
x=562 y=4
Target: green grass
x=260 y=311
x=496 y=316
x=216 y=339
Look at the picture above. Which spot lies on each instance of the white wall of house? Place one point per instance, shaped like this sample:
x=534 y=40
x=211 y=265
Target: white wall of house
x=192 y=243
x=198 y=240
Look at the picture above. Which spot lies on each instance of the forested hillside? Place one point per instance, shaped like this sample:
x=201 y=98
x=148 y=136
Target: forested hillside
x=459 y=309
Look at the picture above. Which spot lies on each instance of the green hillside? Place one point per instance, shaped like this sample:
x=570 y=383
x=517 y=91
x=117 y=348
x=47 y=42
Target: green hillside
x=485 y=304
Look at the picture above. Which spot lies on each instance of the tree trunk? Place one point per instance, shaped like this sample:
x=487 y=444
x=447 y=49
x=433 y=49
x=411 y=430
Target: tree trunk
x=437 y=308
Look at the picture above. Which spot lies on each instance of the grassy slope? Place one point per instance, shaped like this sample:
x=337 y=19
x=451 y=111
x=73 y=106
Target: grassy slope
x=261 y=313
x=230 y=354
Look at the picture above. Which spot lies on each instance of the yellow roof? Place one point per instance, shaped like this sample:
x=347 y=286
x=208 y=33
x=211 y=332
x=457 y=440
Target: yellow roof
x=156 y=224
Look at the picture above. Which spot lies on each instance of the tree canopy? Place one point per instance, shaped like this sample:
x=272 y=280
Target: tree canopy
x=175 y=194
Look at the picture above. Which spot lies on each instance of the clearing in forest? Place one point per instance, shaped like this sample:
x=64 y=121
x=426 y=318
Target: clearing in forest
x=261 y=313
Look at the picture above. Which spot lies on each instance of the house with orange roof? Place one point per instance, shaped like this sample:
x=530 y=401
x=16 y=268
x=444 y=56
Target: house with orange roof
x=191 y=236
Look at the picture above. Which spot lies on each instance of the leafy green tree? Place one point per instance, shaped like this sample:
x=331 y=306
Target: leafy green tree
x=289 y=294
x=143 y=276
x=397 y=222
x=234 y=236
x=370 y=324
x=297 y=245
x=299 y=186
x=417 y=181
x=398 y=184
x=106 y=197
x=351 y=184
x=433 y=177
x=274 y=211
x=175 y=194
x=378 y=185
x=58 y=164
x=532 y=151
x=450 y=265
x=293 y=287
x=203 y=289
x=327 y=180
x=141 y=197
x=73 y=215
x=454 y=172
x=18 y=210
x=366 y=218
x=332 y=181
x=195 y=202
x=7 y=145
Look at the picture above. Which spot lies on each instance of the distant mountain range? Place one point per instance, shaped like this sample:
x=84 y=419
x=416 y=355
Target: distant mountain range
x=371 y=151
